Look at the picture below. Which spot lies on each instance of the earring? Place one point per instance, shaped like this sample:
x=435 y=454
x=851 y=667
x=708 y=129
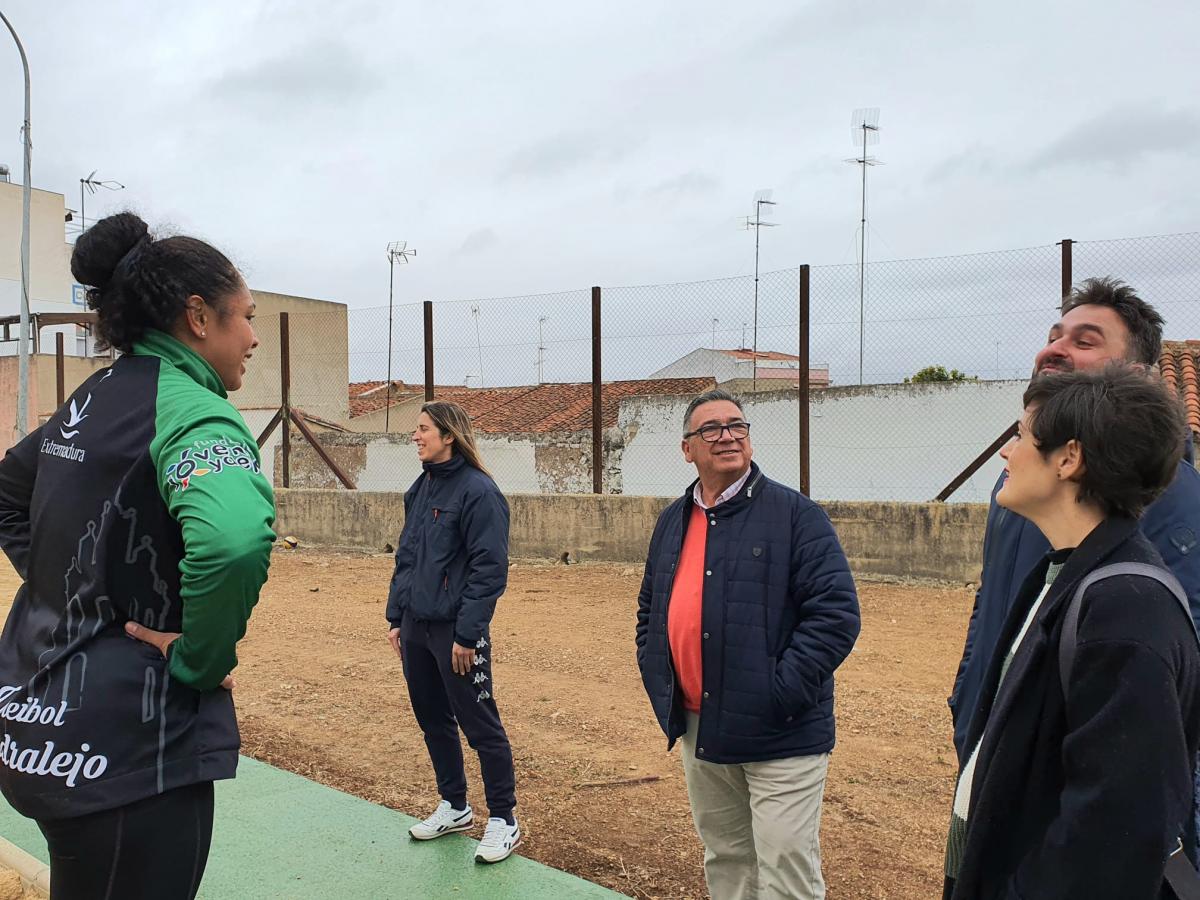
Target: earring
x=204 y=334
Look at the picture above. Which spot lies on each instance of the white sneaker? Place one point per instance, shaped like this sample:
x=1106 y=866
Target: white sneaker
x=499 y=841
x=445 y=820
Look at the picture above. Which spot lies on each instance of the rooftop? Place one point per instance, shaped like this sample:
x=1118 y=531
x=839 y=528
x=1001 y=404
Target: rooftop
x=1178 y=364
x=533 y=409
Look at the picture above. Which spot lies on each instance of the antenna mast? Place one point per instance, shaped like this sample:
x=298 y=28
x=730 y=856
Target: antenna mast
x=761 y=198
x=864 y=132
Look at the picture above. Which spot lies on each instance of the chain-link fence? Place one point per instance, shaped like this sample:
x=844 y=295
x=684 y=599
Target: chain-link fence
x=914 y=368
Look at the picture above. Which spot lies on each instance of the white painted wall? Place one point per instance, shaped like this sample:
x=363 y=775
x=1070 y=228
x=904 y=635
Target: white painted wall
x=878 y=442
x=392 y=464
x=704 y=363
x=51 y=285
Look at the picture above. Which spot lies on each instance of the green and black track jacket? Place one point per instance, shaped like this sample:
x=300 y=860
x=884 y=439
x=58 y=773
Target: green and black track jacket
x=141 y=499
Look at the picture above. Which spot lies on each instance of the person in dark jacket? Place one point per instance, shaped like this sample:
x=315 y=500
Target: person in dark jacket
x=138 y=510
x=1102 y=320
x=1078 y=781
x=451 y=568
x=746 y=608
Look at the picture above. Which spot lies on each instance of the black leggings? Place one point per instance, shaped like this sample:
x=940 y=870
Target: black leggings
x=154 y=849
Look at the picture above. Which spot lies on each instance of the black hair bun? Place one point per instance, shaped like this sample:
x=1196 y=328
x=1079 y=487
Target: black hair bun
x=102 y=247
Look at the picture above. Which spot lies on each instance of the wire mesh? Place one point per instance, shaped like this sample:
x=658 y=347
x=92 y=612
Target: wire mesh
x=915 y=367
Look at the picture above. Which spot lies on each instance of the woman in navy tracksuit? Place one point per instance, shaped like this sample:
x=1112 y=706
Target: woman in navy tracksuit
x=451 y=568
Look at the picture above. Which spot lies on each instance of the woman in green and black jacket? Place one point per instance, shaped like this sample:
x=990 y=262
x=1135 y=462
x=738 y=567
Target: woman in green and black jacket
x=140 y=522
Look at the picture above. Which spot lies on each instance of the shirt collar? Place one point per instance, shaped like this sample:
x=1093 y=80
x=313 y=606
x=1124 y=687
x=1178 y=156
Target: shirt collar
x=170 y=349
x=728 y=494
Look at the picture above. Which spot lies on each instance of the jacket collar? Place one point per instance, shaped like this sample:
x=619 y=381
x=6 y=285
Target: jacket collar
x=181 y=356
x=1089 y=555
x=735 y=503
x=444 y=469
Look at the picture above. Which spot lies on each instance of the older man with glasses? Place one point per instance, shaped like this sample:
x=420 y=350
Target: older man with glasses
x=747 y=607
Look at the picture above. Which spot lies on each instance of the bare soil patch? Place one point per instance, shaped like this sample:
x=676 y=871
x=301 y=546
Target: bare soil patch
x=321 y=693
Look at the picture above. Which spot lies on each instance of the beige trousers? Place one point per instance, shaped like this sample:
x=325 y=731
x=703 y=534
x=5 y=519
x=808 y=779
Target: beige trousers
x=760 y=823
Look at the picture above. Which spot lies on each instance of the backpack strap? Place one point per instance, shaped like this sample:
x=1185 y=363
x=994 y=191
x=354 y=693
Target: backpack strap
x=1179 y=874
x=1068 y=641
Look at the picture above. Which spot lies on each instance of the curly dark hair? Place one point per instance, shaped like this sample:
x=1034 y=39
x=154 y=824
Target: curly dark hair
x=1130 y=425
x=136 y=282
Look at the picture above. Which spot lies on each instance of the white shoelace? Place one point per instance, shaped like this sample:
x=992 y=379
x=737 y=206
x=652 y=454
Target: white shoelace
x=445 y=813
x=495 y=833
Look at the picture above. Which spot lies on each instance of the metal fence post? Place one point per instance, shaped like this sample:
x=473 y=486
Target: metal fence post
x=1067 y=280
x=60 y=375
x=285 y=398
x=805 y=422
x=428 y=305
x=597 y=400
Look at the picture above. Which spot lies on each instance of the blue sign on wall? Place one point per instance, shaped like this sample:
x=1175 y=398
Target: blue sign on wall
x=79 y=295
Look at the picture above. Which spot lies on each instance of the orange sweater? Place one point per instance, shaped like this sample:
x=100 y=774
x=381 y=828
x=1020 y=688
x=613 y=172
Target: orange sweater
x=685 y=609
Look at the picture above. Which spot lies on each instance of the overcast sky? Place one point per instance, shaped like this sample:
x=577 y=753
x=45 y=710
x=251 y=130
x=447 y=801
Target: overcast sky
x=543 y=146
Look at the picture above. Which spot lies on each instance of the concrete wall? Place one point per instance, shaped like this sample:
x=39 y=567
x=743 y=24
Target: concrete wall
x=882 y=539
x=42 y=389
x=76 y=370
x=549 y=463
x=49 y=254
x=400 y=419
x=876 y=442
x=320 y=359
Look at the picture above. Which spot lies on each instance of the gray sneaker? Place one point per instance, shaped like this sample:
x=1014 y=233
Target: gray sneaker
x=445 y=820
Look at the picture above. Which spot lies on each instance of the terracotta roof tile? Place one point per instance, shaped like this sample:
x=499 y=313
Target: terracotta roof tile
x=1178 y=364
x=544 y=408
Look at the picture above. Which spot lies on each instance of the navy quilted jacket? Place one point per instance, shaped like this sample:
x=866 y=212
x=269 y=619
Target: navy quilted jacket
x=779 y=614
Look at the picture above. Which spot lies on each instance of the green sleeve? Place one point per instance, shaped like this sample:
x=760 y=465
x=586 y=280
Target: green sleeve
x=209 y=474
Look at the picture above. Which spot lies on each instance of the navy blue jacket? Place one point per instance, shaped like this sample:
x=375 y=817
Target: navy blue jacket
x=779 y=614
x=452 y=556
x=1013 y=546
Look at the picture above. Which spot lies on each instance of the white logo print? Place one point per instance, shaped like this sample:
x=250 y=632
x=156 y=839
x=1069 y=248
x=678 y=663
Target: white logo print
x=76 y=417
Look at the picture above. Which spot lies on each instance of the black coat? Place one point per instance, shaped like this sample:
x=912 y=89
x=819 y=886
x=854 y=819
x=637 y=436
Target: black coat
x=1084 y=796
x=779 y=614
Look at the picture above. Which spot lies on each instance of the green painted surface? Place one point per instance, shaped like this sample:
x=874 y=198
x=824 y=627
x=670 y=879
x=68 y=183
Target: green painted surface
x=278 y=835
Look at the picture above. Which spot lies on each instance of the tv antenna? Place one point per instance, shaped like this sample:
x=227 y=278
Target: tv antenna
x=541 y=350
x=864 y=132
x=478 y=341
x=397 y=252
x=761 y=198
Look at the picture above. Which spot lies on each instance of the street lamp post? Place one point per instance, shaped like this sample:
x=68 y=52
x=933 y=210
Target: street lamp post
x=397 y=251
x=23 y=363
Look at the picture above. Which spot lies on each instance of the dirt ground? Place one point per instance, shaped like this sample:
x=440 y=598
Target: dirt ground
x=321 y=693
x=11 y=887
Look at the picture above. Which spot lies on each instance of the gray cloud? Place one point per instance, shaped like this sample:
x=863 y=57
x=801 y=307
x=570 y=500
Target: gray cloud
x=1120 y=137
x=478 y=241
x=974 y=162
x=562 y=153
x=319 y=70
x=686 y=184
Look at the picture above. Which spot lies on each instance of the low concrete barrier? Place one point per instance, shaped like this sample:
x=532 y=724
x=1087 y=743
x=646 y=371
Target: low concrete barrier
x=917 y=540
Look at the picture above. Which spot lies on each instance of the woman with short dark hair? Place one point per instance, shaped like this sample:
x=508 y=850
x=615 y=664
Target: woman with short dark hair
x=1078 y=781
x=137 y=511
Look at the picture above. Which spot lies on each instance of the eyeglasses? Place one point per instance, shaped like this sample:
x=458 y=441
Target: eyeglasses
x=712 y=433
